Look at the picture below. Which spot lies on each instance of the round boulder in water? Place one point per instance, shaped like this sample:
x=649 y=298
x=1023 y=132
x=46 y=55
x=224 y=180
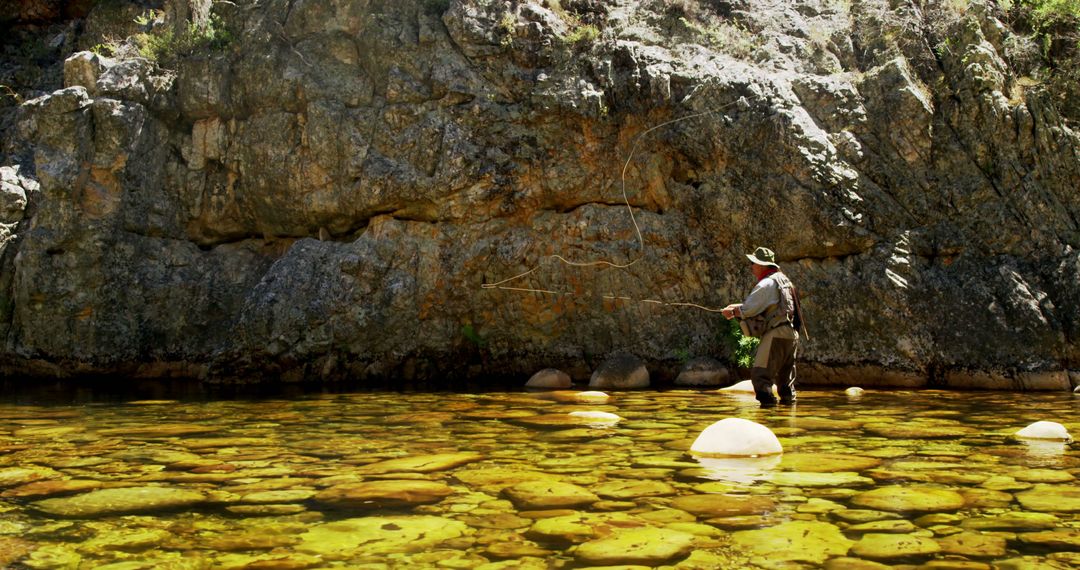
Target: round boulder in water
x=621 y=372
x=549 y=378
x=854 y=391
x=597 y=416
x=703 y=371
x=736 y=437
x=1045 y=430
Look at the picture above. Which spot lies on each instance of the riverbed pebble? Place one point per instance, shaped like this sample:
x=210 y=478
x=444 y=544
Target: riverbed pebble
x=973 y=544
x=124 y=500
x=357 y=537
x=881 y=546
x=1051 y=498
x=537 y=495
x=383 y=494
x=898 y=498
x=647 y=546
x=797 y=541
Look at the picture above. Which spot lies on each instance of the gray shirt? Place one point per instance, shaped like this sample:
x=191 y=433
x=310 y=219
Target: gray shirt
x=764 y=295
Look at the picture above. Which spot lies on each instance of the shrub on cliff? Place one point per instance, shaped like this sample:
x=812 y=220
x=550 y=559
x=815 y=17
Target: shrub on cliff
x=165 y=46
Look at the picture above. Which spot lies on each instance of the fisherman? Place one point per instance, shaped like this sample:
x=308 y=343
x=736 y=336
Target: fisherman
x=771 y=311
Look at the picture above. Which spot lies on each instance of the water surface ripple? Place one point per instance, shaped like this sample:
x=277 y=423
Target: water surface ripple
x=513 y=480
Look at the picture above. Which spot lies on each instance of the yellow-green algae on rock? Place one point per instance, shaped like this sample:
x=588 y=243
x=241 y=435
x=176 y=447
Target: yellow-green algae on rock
x=420 y=464
x=382 y=494
x=890 y=546
x=796 y=541
x=897 y=498
x=549 y=495
x=826 y=462
x=1051 y=498
x=122 y=500
x=648 y=546
x=353 y=538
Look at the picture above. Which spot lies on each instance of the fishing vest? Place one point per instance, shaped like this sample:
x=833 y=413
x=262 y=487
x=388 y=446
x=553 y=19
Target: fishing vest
x=784 y=311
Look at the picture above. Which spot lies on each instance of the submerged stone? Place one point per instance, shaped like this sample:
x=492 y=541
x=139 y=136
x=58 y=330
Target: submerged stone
x=973 y=544
x=496 y=479
x=1058 y=539
x=351 y=538
x=15 y=476
x=648 y=546
x=909 y=499
x=889 y=526
x=736 y=437
x=1044 y=476
x=124 y=500
x=278 y=496
x=847 y=563
x=985 y=498
x=517 y=549
x=837 y=479
x=420 y=463
x=266 y=510
x=52 y=487
x=798 y=541
x=916 y=431
x=549 y=495
x=580 y=527
x=1051 y=499
x=715 y=506
x=1013 y=521
x=597 y=416
x=384 y=494
x=890 y=546
x=633 y=489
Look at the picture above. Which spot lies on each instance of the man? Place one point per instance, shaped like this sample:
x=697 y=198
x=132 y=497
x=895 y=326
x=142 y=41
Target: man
x=775 y=301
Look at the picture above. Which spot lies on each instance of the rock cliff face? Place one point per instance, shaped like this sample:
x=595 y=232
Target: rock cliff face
x=320 y=190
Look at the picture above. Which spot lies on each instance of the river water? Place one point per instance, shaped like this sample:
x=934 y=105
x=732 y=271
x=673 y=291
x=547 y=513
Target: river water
x=512 y=480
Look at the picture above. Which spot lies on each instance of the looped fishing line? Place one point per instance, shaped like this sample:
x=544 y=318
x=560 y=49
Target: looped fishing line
x=637 y=230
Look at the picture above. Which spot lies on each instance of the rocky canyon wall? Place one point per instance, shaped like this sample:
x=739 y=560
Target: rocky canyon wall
x=320 y=190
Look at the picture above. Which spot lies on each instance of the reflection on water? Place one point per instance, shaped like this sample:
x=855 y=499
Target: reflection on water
x=517 y=480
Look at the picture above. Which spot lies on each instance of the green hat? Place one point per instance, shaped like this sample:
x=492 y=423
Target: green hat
x=763 y=256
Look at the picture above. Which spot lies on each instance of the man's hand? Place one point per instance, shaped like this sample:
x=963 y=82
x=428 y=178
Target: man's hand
x=730 y=311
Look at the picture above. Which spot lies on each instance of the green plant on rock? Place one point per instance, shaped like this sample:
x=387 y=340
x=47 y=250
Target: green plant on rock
x=507 y=25
x=165 y=47
x=742 y=347
x=582 y=34
x=470 y=334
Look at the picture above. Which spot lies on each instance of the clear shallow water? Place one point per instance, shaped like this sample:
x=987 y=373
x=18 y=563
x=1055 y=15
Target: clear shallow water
x=509 y=480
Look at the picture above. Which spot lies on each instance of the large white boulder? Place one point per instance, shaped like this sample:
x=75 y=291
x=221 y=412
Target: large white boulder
x=1045 y=430
x=736 y=437
x=744 y=387
x=854 y=391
